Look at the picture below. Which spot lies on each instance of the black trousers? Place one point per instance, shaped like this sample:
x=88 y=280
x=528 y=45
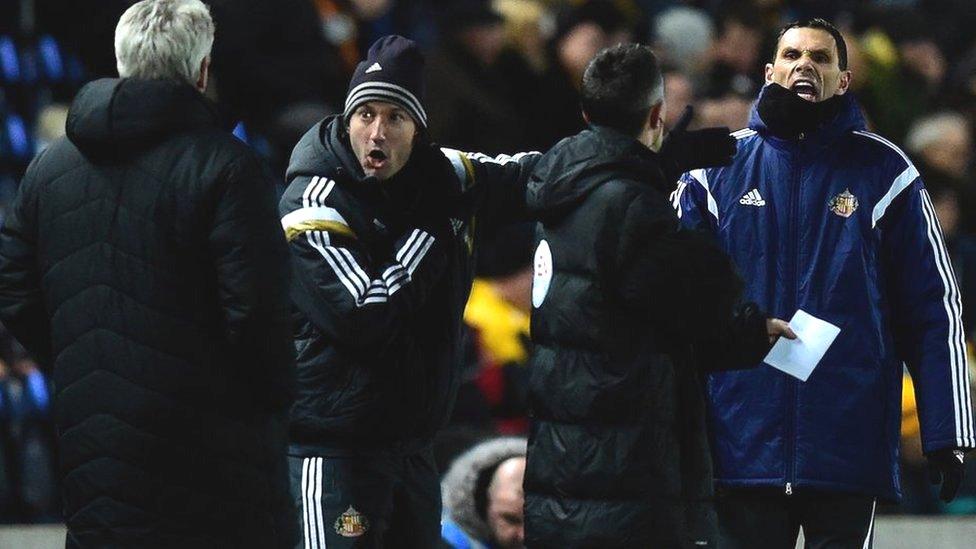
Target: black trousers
x=770 y=519
x=367 y=501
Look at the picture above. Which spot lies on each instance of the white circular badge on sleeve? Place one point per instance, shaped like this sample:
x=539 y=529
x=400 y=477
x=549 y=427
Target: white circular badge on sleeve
x=542 y=266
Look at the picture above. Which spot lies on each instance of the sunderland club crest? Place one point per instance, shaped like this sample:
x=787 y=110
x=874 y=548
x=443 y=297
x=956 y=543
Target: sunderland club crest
x=844 y=204
x=351 y=524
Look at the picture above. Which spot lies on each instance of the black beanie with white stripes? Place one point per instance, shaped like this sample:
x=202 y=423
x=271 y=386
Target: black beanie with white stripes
x=393 y=72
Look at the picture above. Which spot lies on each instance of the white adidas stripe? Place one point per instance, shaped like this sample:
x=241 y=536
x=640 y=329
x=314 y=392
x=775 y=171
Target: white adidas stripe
x=318 y=504
x=702 y=179
x=950 y=313
x=306 y=522
x=962 y=369
x=962 y=407
x=350 y=274
x=315 y=193
x=314 y=529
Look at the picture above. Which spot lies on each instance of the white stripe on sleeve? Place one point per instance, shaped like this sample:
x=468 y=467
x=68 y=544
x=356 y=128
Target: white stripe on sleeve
x=898 y=185
x=962 y=407
x=702 y=179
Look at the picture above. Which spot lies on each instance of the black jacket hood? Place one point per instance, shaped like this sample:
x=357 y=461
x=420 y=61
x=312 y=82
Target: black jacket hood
x=111 y=117
x=577 y=165
x=323 y=150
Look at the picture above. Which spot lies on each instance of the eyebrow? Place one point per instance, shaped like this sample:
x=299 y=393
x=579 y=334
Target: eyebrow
x=824 y=51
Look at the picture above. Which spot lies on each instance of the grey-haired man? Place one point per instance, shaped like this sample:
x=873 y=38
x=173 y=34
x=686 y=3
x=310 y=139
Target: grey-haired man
x=142 y=262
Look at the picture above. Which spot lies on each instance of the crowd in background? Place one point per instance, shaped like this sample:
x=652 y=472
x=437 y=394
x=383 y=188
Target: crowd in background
x=502 y=77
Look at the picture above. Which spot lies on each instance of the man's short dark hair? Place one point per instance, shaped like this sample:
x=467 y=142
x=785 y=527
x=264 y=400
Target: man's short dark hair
x=620 y=86
x=823 y=25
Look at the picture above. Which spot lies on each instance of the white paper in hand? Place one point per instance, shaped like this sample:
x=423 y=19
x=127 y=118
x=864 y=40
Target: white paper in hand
x=798 y=357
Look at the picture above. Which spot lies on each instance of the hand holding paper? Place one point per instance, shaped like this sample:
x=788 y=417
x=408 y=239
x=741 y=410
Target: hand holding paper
x=798 y=357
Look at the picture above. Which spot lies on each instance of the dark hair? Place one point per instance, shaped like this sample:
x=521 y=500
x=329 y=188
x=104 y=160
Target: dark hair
x=620 y=86
x=823 y=25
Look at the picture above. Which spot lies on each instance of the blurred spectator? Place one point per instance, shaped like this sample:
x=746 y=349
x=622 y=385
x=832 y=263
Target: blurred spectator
x=28 y=489
x=961 y=88
x=730 y=110
x=483 y=499
x=905 y=72
x=961 y=245
x=581 y=32
x=274 y=70
x=684 y=36
x=733 y=78
x=471 y=98
x=527 y=27
x=680 y=92
x=736 y=54
x=943 y=142
x=942 y=145
x=494 y=394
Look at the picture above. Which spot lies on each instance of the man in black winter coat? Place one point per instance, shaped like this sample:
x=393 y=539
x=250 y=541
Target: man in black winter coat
x=383 y=229
x=142 y=261
x=618 y=455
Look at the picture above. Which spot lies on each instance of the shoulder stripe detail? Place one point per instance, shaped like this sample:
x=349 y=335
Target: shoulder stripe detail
x=884 y=141
x=500 y=159
x=293 y=231
x=897 y=186
x=316 y=218
x=462 y=167
x=962 y=403
x=702 y=179
x=743 y=133
x=676 y=196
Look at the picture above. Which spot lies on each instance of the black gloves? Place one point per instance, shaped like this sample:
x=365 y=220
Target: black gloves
x=685 y=150
x=946 y=466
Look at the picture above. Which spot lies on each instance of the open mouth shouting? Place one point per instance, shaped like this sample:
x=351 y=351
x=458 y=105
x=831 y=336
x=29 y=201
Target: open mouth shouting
x=806 y=87
x=376 y=159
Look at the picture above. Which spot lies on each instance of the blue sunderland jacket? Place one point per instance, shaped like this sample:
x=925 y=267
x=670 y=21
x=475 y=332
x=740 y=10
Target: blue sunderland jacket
x=839 y=224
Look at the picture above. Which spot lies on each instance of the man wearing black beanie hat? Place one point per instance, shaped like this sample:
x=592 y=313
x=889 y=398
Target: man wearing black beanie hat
x=383 y=228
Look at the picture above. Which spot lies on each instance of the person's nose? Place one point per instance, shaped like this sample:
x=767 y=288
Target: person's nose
x=377 y=132
x=804 y=64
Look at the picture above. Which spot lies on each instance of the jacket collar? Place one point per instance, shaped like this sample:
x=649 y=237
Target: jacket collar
x=848 y=119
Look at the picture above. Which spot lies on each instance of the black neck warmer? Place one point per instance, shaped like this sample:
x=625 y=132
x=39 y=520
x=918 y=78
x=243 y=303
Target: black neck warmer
x=787 y=115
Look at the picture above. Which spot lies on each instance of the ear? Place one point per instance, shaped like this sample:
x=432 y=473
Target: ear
x=654 y=118
x=844 y=84
x=204 y=74
x=586 y=118
x=769 y=73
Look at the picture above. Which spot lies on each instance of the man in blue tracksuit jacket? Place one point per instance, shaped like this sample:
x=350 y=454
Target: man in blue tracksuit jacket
x=820 y=215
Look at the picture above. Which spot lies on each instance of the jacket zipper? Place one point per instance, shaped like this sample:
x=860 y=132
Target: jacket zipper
x=791 y=403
